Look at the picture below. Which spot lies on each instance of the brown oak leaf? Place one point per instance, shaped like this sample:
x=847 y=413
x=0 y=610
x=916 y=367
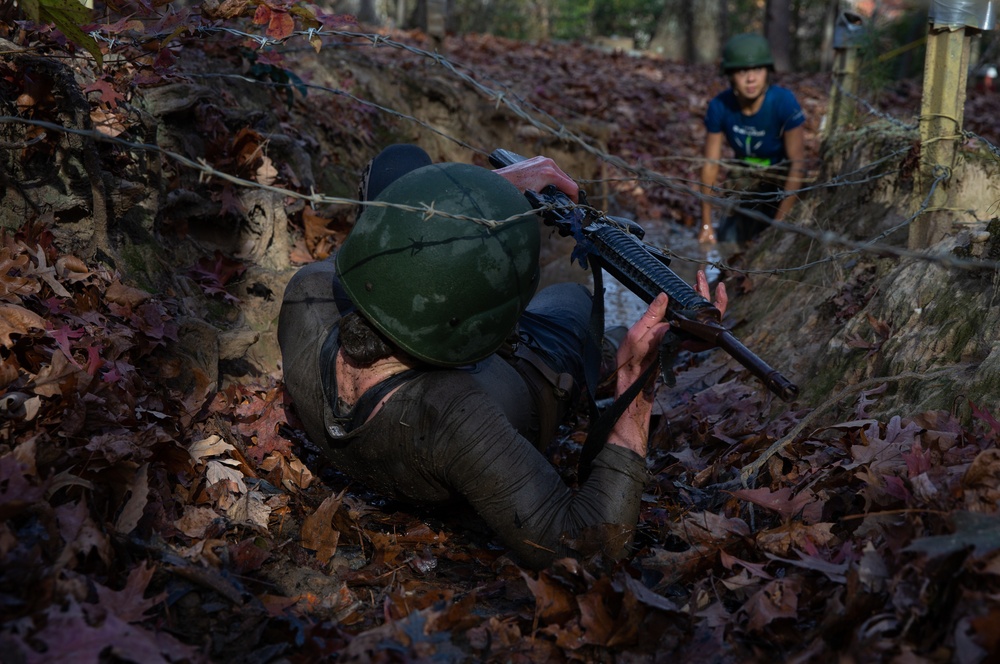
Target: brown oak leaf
x=15 y=319
x=778 y=599
x=130 y=603
x=318 y=533
x=260 y=420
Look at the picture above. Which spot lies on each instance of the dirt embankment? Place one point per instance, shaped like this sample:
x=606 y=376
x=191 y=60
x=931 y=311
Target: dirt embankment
x=868 y=331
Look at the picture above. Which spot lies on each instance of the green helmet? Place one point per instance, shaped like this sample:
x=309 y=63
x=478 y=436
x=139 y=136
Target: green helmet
x=746 y=51
x=447 y=291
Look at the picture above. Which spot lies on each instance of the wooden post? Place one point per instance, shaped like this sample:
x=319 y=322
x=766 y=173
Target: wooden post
x=848 y=32
x=941 y=113
x=845 y=83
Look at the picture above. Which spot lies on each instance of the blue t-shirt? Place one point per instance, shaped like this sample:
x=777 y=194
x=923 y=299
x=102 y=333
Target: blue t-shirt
x=757 y=138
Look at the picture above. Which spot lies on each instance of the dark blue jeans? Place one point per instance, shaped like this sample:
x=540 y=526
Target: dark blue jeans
x=556 y=325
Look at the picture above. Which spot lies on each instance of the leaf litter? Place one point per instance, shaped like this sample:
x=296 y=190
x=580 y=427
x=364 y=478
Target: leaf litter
x=142 y=522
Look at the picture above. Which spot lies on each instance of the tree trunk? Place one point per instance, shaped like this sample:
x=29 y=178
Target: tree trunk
x=796 y=31
x=541 y=16
x=437 y=18
x=706 y=31
x=367 y=13
x=400 y=13
x=671 y=39
x=431 y=16
x=777 y=21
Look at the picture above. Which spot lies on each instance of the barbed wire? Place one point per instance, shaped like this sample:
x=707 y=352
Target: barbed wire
x=992 y=148
x=678 y=184
x=825 y=237
x=558 y=129
x=829 y=238
x=207 y=171
x=376 y=40
x=870 y=108
x=506 y=96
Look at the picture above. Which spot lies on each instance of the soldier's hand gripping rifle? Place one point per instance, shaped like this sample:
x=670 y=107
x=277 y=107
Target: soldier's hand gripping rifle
x=615 y=244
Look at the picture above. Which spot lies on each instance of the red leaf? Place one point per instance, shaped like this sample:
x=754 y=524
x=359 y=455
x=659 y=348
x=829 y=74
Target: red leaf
x=804 y=505
x=70 y=637
x=259 y=421
x=63 y=335
x=917 y=460
x=94 y=360
x=895 y=487
x=884 y=454
x=108 y=95
x=281 y=25
x=248 y=556
x=129 y=603
x=262 y=15
x=985 y=416
x=318 y=533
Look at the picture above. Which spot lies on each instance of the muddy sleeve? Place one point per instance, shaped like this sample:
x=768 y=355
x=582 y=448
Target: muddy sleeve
x=309 y=310
x=515 y=489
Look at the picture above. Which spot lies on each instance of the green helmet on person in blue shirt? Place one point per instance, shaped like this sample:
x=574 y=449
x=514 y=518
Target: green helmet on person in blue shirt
x=746 y=51
x=446 y=290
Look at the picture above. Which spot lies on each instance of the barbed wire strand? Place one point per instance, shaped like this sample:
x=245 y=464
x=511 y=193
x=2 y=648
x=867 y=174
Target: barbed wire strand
x=560 y=131
x=824 y=237
x=556 y=128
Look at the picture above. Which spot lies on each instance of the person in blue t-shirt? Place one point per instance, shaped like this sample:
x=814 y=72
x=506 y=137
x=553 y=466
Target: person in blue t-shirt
x=763 y=125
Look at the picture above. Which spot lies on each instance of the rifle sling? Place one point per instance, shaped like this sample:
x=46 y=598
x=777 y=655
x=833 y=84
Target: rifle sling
x=600 y=430
x=594 y=342
x=604 y=422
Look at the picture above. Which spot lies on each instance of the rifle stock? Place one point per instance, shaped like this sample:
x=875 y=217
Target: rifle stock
x=615 y=244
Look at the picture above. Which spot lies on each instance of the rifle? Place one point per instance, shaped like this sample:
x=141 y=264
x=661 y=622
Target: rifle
x=615 y=244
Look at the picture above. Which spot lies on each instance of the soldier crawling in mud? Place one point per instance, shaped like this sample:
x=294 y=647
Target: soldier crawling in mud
x=390 y=353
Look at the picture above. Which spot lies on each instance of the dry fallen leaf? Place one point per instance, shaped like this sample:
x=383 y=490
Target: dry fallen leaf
x=250 y=509
x=15 y=319
x=318 y=533
x=127 y=296
x=195 y=520
x=778 y=599
x=138 y=489
x=266 y=173
x=211 y=446
x=222 y=471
